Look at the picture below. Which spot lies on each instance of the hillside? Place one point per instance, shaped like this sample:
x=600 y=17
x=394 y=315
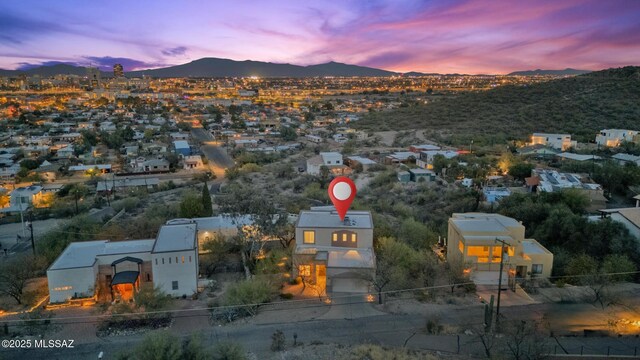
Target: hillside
x=580 y=105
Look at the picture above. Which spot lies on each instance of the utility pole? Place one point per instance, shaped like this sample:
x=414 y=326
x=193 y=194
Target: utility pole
x=502 y=245
x=33 y=243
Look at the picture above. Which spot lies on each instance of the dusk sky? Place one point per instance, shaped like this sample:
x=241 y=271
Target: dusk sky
x=401 y=35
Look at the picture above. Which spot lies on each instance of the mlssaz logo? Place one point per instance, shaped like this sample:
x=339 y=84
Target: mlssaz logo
x=54 y=344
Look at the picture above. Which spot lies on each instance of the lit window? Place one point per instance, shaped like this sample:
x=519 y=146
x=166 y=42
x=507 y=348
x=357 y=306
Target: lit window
x=309 y=237
x=353 y=237
x=344 y=237
x=335 y=237
x=481 y=252
x=304 y=270
x=460 y=246
x=183 y=259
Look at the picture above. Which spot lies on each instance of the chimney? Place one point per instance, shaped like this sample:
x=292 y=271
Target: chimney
x=347 y=221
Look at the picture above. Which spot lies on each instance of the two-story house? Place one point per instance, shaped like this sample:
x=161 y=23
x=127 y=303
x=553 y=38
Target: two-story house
x=335 y=255
x=476 y=240
x=332 y=160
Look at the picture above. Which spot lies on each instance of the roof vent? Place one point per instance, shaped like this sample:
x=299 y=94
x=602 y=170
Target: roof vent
x=347 y=221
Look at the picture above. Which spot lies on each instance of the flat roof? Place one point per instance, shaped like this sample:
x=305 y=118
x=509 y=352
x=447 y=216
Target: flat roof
x=483 y=222
x=78 y=255
x=181 y=144
x=176 y=237
x=578 y=157
x=84 y=253
x=362 y=160
x=127 y=247
x=330 y=219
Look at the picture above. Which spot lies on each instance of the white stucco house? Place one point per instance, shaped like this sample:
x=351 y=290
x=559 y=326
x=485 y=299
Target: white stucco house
x=332 y=160
x=115 y=270
x=614 y=137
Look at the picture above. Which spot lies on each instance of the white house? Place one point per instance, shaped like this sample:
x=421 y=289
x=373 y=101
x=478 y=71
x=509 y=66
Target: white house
x=22 y=198
x=332 y=160
x=556 y=141
x=614 y=137
x=114 y=270
x=192 y=162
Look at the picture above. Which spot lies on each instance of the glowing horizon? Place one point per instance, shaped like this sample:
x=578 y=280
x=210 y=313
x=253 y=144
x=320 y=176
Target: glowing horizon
x=459 y=36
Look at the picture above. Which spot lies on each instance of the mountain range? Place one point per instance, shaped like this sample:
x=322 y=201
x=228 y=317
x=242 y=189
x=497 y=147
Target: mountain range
x=565 y=72
x=217 y=67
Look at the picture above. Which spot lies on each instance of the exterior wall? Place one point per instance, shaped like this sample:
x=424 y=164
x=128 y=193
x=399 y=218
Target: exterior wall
x=313 y=169
x=553 y=140
x=323 y=236
x=186 y=274
x=81 y=283
x=546 y=260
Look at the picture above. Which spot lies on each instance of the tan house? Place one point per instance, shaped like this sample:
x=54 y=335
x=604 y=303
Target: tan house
x=334 y=255
x=473 y=239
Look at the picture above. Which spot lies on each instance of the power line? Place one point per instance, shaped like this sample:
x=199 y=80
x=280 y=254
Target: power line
x=267 y=304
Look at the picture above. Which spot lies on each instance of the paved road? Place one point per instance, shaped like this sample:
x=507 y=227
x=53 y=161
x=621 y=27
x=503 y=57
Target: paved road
x=388 y=330
x=218 y=158
x=8 y=233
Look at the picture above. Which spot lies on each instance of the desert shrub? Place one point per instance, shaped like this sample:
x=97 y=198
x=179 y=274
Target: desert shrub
x=228 y=351
x=278 y=341
x=127 y=204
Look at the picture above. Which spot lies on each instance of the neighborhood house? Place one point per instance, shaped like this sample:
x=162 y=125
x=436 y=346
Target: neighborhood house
x=477 y=239
x=334 y=255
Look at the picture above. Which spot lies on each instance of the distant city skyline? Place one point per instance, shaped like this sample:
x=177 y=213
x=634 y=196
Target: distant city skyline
x=463 y=36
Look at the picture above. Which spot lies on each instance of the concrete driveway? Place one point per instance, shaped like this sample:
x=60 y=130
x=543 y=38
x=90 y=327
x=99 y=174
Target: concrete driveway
x=507 y=297
x=350 y=306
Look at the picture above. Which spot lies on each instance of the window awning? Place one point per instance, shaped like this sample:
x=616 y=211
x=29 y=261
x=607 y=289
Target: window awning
x=125 y=277
x=322 y=256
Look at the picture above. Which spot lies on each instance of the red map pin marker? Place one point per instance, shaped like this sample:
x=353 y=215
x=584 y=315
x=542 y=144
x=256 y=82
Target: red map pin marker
x=342 y=191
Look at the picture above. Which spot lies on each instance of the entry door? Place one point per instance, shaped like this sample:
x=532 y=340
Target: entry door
x=521 y=272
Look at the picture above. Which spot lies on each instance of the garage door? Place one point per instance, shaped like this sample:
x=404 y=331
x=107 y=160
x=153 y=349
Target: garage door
x=348 y=285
